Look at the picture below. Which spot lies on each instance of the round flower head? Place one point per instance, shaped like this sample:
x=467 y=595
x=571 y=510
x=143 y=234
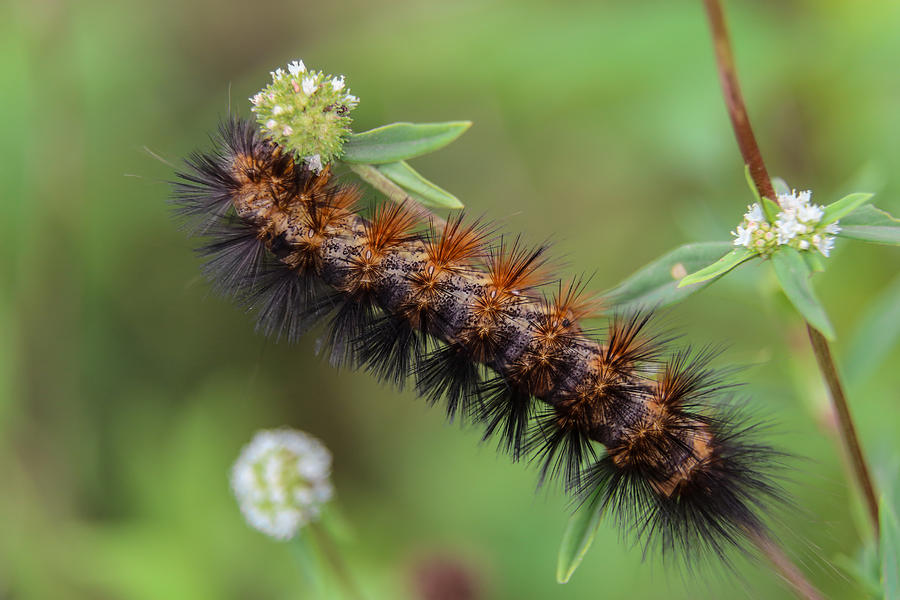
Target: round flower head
x=280 y=480
x=306 y=111
x=797 y=225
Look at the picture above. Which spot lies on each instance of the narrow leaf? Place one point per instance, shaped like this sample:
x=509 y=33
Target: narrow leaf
x=656 y=284
x=718 y=268
x=876 y=334
x=814 y=261
x=781 y=186
x=794 y=276
x=418 y=187
x=751 y=183
x=771 y=209
x=843 y=207
x=871 y=224
x=401 y=141
x=890 y=549
x=579 y=536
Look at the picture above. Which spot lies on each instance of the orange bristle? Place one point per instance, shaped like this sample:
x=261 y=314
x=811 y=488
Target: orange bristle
x=688 y=377
x=390 y=226
x=456 y=245
x=573 y=303
x=629 y=345
x=514 y=268
x=327 y=207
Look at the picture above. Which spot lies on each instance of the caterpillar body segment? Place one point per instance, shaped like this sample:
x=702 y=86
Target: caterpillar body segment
x=618 y=415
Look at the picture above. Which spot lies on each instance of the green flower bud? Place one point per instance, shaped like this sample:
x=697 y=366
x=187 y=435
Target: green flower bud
x=307 y=112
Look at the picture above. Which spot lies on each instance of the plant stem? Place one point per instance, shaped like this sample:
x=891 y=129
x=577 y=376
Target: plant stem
x=731 y=90
x=373 y=177
x=845 y=422
x=740 y=121
x=337 y=564
x=785 y=567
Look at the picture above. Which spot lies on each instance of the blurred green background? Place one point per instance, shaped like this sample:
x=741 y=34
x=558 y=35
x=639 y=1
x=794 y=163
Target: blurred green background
x=127 y=389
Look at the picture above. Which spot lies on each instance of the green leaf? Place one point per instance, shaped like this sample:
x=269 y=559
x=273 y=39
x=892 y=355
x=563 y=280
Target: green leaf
x=843 y=207
x=418 y=187
x=794 y=276
x=771 y=209
x=401 y=141
x=718 y=268
x=781 y=186
x=579 y=536
x=871 y=224
x=890 y=548
x=751 y=183
x=656 y=284
x=814 y=261
x=876 y=334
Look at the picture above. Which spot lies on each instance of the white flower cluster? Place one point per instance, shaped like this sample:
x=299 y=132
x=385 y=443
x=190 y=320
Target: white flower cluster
x=306 y=111
x=797 y=225
x=281 y=479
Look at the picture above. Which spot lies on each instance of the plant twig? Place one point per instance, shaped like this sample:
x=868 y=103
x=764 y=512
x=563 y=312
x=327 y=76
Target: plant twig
x=373 y=177
x=740 y=121
x=337 y=564
x=753 y=158
x=845 y=422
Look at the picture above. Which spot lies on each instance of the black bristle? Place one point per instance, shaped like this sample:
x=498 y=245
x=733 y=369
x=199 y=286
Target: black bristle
x=506 y=412
x=235 y=256
x=449 y=372
x=688 y=379
x=204 y=192
x=392 y=348
x=632 y=346
x=727 y=496
x=287 y=303
x=561 y=447
x=353 y=318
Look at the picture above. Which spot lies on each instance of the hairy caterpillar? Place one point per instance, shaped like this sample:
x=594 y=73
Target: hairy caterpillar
x=463 y=315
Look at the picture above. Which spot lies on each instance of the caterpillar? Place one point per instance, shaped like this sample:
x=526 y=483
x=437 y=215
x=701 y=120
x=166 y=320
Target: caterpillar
x=615 y=415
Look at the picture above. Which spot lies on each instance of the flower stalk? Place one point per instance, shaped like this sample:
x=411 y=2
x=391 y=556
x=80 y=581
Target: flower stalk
x=750 y=151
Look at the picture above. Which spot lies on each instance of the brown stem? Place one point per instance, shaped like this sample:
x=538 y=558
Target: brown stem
x=845 y=422
x=753 y=158
x=785 y=567
x=740 y=121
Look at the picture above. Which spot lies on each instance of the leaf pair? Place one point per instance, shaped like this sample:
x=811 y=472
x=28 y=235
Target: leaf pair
x=659 y=283
x=389 y=147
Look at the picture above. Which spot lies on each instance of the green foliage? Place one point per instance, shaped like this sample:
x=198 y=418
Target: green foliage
x=418 y=187
x=718 y=268
x=387 y=148
x=876 y=335
x=578 y=537
x=794 y=276
x=657 y=283
x=843 y=207
x=770 y=209
x=871 y=224
x=401 y=141
x=890 y=548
